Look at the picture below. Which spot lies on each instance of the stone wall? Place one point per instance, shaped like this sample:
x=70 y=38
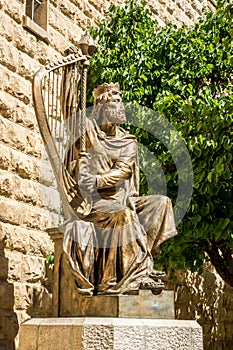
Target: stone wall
x=209 y=301
x=29 y=202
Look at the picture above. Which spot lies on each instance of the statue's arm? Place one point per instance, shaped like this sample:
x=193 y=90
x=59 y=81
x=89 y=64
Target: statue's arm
x=121 y=170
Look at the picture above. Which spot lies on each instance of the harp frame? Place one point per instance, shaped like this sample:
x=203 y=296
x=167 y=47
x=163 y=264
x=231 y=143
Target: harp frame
x=81 y=62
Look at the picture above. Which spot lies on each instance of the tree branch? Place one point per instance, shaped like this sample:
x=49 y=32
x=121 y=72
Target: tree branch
x=222 y=262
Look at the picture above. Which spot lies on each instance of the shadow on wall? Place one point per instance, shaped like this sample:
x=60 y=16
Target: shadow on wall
x=38 y=301
x=8 y=319
x=209 y=301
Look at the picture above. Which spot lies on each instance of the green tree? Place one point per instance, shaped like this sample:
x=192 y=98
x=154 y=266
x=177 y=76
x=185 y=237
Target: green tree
x=184 y=74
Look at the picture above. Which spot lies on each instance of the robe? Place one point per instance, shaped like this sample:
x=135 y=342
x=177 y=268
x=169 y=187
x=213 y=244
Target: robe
x=110 y=249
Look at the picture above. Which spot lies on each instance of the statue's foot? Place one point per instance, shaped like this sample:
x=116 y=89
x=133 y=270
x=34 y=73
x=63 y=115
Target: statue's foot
x=87 y=292
x=108 y=292
x=149 y=283
x=157 y=275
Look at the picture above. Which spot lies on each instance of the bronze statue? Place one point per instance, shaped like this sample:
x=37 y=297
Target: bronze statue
x=111 y=234
x=123 y=232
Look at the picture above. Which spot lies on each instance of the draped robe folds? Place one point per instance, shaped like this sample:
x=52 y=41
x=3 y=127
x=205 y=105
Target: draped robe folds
x=111 y=248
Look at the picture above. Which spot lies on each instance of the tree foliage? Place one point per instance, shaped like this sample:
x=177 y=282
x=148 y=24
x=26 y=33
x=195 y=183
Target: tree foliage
x=186 y=75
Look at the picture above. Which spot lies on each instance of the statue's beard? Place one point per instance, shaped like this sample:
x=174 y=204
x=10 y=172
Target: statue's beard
x=116 y=116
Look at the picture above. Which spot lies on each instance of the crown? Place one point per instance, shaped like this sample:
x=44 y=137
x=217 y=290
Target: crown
x=107 y=92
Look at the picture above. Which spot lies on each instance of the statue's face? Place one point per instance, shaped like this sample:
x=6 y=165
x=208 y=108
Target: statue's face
x=114 y=112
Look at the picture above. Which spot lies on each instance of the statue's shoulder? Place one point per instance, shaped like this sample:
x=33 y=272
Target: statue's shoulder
x=126 y=134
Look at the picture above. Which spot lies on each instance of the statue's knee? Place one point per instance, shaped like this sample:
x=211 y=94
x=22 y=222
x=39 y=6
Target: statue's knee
x=126 y=216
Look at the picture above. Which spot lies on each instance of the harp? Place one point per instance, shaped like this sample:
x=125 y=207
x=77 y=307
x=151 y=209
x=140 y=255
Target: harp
x=59 y=96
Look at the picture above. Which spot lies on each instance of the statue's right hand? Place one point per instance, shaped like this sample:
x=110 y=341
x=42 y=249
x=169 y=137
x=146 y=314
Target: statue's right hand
x=86 y=181
x=83 y=162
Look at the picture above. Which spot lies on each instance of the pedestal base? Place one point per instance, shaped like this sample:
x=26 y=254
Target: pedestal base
x=109 y=333
x=143 y=305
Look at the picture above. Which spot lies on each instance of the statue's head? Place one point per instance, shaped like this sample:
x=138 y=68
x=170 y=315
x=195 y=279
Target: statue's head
x=108 y=103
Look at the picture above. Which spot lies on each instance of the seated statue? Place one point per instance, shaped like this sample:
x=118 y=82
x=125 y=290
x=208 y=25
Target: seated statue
x=110 y=250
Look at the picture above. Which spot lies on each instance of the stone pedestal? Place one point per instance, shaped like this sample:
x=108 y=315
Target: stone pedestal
x=123 y=322
x=67 y=302
x=110 y=334
x=143 y=305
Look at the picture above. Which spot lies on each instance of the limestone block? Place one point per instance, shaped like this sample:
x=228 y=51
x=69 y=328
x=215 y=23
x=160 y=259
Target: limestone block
x=57 y=20
x=33 y=269
x=15 y=60
x=58 y=41
x=6 y=295
x=10 y=211
x=64 y=339
x=17 y=111
x=25 y=240
x=49 y=198
x=37 y=219
x=171 y=7
x=12 y=135
x=9 y=23
x=47 y=54
x=8 y=182
x=99 y=5
x=177 y=336
x=188 y=9
x=34 y=145
x=111 y=334
x=100 y=335
x=9 y=55
x=46 y=176
x=23 y=40
x=18 y=213
x=68 y=9
x=77 y=338
x=197 y=338
x=14 y=9
x=197 y=6
x=24 y=165
x=91 y=12
x=33 y=298
x=28 y=337
x=5 y=156
x=26 y=116
x=16 y=85
x=27 y=66
x=15 y=260
x=16 y=238
x=29 y=191
x=40 y=243
x=80 y=4
x=74 y=33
